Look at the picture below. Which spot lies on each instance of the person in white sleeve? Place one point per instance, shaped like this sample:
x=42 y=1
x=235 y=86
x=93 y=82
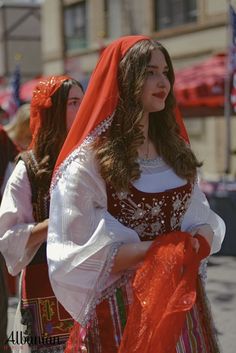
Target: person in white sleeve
x=42 y=324
x=127 y=216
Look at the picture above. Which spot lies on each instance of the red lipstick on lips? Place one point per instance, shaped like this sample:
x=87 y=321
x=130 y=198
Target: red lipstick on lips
x=160 y=95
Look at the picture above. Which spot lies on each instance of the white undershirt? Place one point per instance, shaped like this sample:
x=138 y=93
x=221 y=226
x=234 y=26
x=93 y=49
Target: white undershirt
x=157 y=176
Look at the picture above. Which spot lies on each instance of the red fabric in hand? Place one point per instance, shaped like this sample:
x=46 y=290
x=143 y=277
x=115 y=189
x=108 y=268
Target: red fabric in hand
x=164 y=290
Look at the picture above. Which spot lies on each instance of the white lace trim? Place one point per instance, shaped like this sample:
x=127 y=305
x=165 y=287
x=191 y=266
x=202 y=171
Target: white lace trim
x=102 y=127
x=203 y=270
x=153 y=166
x=150 y=162
x=102 y=293
x=108 y=266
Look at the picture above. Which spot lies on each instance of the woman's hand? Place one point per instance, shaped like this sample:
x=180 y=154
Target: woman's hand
x=195 y=244
x=204 y=230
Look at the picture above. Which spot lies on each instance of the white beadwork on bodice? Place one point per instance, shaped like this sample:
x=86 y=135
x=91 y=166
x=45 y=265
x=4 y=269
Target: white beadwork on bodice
x=150 y=214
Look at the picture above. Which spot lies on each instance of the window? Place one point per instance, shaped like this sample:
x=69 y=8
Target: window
x=173 y=13
x=113 y=18
x=75 y=26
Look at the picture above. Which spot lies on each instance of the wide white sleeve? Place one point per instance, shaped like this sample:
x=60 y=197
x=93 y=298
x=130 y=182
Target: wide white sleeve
x=8 y=172
x=199 y=213
x=83 y=239
x=16 y=220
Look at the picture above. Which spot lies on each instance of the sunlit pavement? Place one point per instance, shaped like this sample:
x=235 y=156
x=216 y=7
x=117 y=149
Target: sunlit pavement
x=221 y=289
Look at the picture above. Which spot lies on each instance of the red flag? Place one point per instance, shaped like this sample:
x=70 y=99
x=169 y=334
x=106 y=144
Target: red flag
x=14 y=102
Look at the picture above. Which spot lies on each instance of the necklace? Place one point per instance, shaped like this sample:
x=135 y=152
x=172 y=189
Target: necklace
x=147 y=151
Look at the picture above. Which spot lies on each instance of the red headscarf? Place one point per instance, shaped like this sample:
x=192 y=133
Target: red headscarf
x=101 y=96
x=41 y=99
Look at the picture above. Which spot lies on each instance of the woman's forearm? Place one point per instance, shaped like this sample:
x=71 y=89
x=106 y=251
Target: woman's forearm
x=38 y=234
x=130 y=255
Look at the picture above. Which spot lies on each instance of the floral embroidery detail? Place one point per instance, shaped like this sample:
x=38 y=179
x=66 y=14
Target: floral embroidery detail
x=121 y=195
x=181 y=202
x=150 y=214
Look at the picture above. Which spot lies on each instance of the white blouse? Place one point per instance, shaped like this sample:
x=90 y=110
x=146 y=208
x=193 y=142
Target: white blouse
x=16 y=221
x=84 y=237
x=7 y=174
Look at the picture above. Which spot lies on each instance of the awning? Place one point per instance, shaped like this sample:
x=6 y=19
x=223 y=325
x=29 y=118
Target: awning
x=200 y=89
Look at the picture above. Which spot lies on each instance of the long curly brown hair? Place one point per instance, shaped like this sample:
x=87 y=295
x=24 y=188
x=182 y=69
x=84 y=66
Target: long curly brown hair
x=117 y=149
x=52 y=132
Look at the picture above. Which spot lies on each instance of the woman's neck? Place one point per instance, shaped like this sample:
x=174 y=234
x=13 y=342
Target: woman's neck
x=147 y=150
x=145 y=125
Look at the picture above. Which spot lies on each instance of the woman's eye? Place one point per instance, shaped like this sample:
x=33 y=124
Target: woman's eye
x=72 y=103
x=150 y=73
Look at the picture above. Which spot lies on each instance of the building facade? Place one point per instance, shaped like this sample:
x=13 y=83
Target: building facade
x=75 y=31
x=20 y=39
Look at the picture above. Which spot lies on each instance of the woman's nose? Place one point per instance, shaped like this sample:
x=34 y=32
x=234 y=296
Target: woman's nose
x=161 y=82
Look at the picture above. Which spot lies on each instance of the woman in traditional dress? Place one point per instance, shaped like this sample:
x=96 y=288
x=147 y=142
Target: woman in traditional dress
x=24 y=217
x=129 y=225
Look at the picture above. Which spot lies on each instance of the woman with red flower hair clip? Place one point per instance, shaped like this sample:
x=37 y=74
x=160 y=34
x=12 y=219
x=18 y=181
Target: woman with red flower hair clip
x=128 y=224
x=24 y=217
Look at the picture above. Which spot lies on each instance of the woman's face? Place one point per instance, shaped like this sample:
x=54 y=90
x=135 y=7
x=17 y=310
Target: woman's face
x=73 y=102
x=157 y=85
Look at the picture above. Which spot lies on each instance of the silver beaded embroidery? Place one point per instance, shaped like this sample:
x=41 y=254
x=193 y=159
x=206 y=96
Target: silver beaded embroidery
x=80 y=151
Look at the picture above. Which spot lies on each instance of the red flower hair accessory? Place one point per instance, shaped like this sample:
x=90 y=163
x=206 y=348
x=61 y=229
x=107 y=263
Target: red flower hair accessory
x=41 y=99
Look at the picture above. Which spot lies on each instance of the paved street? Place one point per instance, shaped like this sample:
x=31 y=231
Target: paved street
x=221 y=288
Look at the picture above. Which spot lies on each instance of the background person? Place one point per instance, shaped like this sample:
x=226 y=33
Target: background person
x=24 y=214
x=19 y=128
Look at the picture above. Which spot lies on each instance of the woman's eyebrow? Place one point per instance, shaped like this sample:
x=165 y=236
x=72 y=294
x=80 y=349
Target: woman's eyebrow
x=156 y=67
x=73 y=98
x=153 y=66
